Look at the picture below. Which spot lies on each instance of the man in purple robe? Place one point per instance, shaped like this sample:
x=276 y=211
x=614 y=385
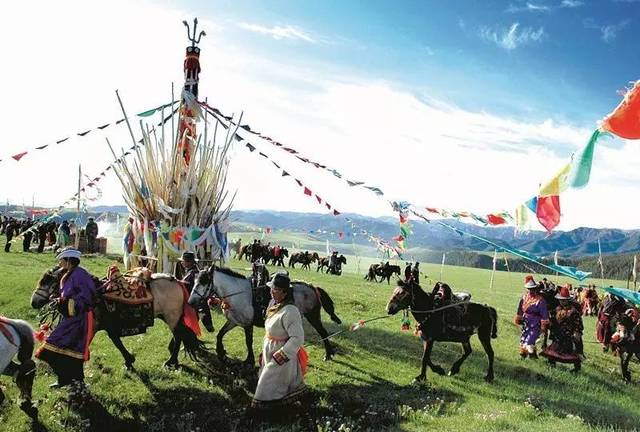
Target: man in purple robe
x=533 y=315
x=67 y=347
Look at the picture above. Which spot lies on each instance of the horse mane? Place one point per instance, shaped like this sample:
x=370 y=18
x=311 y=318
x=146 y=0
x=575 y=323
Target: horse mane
x=305 y=283
x=229 y=272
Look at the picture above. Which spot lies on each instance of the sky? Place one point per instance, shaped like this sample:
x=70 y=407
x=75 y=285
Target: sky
x=463 y=105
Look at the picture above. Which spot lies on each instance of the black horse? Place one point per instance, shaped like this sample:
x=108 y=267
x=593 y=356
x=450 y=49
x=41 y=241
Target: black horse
x=303 y=258
x=626 y=341
x=383 y=271
x=454 y=324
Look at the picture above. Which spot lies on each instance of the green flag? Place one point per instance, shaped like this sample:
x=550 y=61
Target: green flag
x=581 y=163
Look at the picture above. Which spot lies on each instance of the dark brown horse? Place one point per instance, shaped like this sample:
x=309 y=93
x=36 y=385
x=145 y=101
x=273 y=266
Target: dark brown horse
x=383 y=271
x=453 y=324
x=304 y=258
x=169 y=304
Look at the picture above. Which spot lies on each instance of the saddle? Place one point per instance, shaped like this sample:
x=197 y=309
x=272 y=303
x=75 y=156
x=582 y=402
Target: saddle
x=130 y=288
x=128 y=297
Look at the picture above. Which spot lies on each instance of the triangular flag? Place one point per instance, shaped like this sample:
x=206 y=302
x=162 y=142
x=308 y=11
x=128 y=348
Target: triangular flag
x=284 y=173
x=558 y=183
x=84 y=133
x=62 y=140
x=307 y=191
x=250 y=147
x=532 y=204
x=548 y=211
x=319 y=199
x=19 y=156
x=41 y=147
x=496 y=219
x=624 y=121
x=336 y=212
x=299 y=182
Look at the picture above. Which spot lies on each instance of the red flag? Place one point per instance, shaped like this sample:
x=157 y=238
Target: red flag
x=548 y=211
x=432 y=210
x=340 y=235
x=624 y=121
x=19 y=156
x=307 y=191
x=403 y=218
x=496 y=219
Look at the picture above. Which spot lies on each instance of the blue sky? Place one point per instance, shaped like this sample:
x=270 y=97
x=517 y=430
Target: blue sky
x=464 y=105
x=565 y=59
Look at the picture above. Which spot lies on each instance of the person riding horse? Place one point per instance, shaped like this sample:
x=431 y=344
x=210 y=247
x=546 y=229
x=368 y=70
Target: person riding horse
x=190 y=272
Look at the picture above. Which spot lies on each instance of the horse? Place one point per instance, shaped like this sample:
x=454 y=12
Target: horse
x=279 y=260
x=372 y=273
x=472 y=318
x=303 y=258
x=17 y=340
x=237 y=296
x=336 y=267
x=626 y=340
x=245 y=252
x=169 y=304
x=236 y=247
x=322 y=263
x=388 y=270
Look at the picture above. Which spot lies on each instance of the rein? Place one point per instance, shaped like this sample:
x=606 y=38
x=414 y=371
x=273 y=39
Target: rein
x=440 y=308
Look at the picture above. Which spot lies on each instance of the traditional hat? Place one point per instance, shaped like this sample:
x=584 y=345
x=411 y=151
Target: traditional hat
x=564 y=293
x=188 y=257
x=281 y=281
x=69 y=252
x=529 y=283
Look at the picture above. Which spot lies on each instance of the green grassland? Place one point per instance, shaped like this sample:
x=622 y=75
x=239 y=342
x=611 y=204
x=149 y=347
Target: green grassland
x=366 y=387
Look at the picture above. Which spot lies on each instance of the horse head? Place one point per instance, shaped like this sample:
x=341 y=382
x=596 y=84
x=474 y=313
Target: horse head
x=401 y=298
x=342 y=259
x=48 y=286
x=284 y=252
x=202 y=287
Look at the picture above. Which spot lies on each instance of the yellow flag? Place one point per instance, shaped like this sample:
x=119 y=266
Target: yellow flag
x=558 y=183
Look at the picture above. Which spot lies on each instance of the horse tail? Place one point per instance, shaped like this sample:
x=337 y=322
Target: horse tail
x=327 y=305
x=494 y=321
x=192 y=345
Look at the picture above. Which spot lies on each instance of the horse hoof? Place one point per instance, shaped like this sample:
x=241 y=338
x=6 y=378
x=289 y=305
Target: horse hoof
x=488 y=378
x=171 y=364
x=420 y=379
x=453 y=372
x=439 y=370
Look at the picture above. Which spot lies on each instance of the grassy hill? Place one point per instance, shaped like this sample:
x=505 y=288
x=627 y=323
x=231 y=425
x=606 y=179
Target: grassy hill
x=366 y=387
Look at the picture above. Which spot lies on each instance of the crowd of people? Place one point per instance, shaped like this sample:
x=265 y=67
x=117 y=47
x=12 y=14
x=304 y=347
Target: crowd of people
x=51 y=235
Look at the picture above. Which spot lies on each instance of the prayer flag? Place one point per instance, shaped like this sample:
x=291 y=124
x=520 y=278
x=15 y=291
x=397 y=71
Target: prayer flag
x=624 y=121
x=581 y=164
x=19 y=156
x=548 y=211
x=307 y=191
x=496 y=219
x=558 y=183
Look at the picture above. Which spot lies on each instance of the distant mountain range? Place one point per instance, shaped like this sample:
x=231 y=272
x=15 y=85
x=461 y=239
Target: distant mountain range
x=575 y=243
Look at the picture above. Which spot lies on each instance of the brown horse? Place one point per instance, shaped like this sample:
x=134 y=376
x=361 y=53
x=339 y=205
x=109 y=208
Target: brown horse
x=445 y=325
x=169 y=304
x=304 y=258
x=626 y=340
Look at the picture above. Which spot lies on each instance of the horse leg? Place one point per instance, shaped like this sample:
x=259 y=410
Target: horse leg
x=174 y=350
x=219 y=345
x=466 y=346
x=485 y=340
x=129 y=358
x=314 y=319
x=248 y=339
x=624 y=365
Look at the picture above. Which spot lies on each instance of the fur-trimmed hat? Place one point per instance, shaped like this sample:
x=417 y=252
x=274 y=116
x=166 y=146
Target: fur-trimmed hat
x=529 y=283
x=281 y=281
x=69 y=252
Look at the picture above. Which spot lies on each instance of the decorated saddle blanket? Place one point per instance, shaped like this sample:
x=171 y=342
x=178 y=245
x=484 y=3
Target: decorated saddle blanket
x=130 y=288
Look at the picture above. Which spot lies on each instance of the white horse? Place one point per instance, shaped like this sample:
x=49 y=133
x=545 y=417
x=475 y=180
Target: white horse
x=16 y=340
x=236 y=293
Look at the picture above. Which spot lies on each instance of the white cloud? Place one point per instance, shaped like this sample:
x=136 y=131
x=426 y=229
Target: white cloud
x=528 y=7
x=280 y=32
x=512 y=37
x=571 y=3
x=426 y=151
x=609 y=32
